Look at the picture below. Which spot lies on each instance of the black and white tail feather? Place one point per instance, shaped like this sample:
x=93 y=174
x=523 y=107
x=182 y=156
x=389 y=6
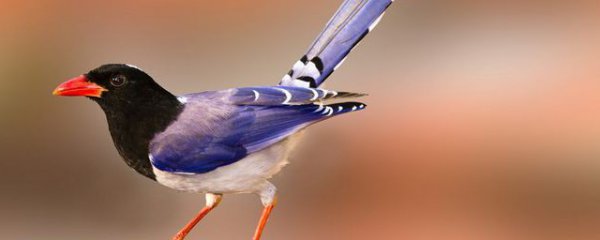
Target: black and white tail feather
x=349 y=25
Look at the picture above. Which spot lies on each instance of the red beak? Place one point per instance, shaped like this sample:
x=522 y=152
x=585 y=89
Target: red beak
x=79 y=86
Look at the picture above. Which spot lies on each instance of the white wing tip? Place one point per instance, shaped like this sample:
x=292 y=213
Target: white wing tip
x=182 y=99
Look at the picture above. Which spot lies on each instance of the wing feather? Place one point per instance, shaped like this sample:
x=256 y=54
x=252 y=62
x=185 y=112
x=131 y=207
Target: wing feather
x=282 y=95
x=212 y=132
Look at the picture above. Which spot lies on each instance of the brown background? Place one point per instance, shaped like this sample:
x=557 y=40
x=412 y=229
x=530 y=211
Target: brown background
x=483 y=120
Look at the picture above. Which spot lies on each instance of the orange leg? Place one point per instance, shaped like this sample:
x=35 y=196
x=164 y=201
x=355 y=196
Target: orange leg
x=212 y=200
x=263 y=219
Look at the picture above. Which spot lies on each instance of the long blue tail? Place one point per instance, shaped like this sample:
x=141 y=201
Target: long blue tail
x=350 y=24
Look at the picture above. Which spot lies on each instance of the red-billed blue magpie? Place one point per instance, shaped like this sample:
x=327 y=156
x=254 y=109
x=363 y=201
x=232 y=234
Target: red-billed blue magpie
x=229 y=141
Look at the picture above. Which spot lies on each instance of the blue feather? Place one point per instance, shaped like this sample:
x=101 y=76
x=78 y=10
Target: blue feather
x=213 y=131
x=219 y=128
x=350 y=24
x=283 y=95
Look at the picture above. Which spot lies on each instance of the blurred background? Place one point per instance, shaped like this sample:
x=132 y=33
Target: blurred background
x=483 y=120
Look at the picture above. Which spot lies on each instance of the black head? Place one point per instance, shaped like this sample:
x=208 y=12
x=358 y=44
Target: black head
x=118 y=87
x=126 y=86
x=115 y=84
x=136 y=108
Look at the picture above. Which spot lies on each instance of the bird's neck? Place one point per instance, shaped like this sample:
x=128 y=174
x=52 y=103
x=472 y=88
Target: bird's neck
x=133 y=125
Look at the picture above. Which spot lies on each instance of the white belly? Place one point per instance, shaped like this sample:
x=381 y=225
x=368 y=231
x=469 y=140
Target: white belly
x=245 y=175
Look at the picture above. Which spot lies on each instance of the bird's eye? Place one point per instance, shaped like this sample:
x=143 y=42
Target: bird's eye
x=118 y=80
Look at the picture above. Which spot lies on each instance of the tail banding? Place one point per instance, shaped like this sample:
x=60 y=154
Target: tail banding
x=350 y=24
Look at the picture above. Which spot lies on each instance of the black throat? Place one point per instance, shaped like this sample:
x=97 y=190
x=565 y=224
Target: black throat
x=133 y=124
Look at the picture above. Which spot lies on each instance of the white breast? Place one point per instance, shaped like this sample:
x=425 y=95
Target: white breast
x=245 y=175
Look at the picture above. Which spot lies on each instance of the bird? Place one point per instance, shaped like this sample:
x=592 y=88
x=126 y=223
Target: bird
x=226 y=141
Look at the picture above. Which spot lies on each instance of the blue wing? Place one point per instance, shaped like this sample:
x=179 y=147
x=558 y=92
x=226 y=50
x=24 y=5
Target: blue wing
x=350 y=24
x=219 y=128
x=213 y=130
x=283 y=95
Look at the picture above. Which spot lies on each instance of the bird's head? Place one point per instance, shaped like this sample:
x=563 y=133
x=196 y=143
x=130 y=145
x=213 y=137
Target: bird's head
x=136 y=107
x=115 y=85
